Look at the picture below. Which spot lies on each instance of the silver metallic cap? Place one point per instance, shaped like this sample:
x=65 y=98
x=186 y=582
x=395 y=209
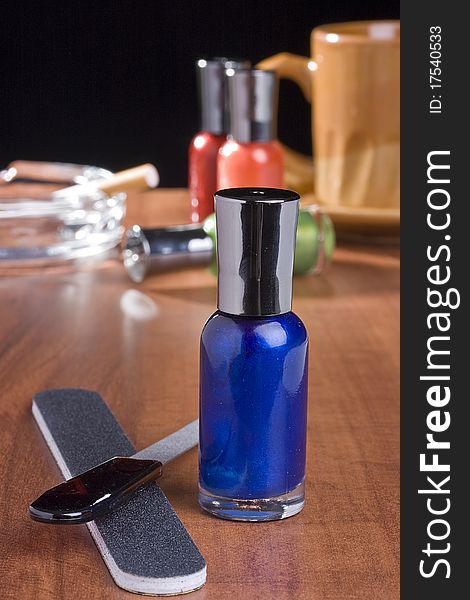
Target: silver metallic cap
x=148 y=251
x=256 y=232
x=253 y=96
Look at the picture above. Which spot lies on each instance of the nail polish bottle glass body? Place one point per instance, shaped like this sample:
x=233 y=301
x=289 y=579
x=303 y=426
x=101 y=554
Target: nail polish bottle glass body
x=250 y=164
x=253 y=390
x=203 y=151
x=253 y=369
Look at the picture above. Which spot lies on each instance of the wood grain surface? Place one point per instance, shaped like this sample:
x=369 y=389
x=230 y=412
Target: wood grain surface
x=137 y=345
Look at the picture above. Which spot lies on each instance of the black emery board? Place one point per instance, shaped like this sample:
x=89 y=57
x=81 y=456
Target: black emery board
x=143 y=543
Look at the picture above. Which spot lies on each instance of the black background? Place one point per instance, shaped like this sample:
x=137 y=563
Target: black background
x=112 y=83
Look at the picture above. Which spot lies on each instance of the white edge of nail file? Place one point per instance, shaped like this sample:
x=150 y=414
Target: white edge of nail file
x=184 y=439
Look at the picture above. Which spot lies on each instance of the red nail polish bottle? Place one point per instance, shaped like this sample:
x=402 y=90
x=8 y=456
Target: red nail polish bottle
x=251 y=156
x=205 y=145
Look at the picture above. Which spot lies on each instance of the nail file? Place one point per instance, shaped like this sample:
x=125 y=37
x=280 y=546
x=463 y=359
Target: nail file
x=143 y=543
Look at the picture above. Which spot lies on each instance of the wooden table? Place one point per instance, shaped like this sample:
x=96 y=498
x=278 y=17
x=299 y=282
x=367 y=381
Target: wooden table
x=137 y=345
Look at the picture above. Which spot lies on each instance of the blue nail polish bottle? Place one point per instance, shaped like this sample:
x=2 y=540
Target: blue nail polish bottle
x=254 y=356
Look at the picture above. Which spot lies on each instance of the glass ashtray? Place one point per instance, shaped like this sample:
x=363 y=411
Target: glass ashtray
x=42 y=222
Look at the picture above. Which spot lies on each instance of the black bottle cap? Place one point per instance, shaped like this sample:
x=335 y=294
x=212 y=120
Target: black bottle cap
x=213 y=91
x=253 y=97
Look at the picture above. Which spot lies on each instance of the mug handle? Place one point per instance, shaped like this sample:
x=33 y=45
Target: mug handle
x=298 y=168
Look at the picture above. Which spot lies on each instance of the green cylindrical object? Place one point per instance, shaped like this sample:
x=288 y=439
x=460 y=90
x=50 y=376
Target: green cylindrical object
x=315 y=240
x=147 y=251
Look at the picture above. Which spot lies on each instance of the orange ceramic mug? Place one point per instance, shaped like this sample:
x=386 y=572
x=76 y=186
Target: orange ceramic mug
x=353 y=79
